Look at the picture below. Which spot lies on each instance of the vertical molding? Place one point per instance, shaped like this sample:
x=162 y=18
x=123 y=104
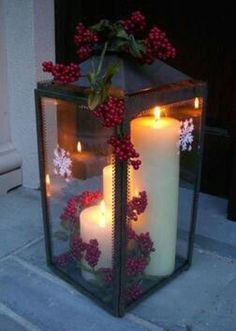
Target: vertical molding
x=29 y=39
x=10 y=161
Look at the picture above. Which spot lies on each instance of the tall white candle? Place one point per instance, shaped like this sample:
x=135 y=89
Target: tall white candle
x=107 y=186
x=155 y=140
x=96 y=223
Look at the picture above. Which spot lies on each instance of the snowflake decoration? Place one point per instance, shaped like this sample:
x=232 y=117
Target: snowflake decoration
x=186 y=135
x=62 y=163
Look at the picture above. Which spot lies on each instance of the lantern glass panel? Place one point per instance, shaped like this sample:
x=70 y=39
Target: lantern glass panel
x=114 y=232
x=78 y=170
x=161 y=192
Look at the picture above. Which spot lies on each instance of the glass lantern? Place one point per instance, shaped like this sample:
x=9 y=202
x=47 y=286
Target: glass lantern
x=115 y=232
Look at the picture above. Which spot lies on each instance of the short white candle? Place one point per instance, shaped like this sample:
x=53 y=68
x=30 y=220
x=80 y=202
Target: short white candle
x=86 y=164
x=155 y=140
x=96 y=223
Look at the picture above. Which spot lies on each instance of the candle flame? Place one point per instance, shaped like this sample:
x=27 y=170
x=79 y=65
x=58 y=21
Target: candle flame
x=79 y=147
x=47 y=179
x=196 y=103
x=157 y=113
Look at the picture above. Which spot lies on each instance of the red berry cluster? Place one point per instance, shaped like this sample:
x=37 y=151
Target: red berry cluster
x=124 y=149
x=84 y=39
x=135 y=265
x=111 y=112
x=133 y=292
x=157 y=46
x=106 y=275
x=87 y=198
x=135 y=23
x=70 y=211
x=145 y=244
x=78 y=250
x=62 y=260
x=92 y=253
x=62 y=73
x=137 y=206
x=131 y=234
x=77 y=247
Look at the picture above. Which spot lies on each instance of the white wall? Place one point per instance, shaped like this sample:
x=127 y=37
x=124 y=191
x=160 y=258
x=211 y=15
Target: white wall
x=4 y=122
x=29 y=37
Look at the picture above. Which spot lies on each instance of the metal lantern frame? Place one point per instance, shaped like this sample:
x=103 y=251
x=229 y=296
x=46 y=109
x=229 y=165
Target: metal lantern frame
x=165 y=94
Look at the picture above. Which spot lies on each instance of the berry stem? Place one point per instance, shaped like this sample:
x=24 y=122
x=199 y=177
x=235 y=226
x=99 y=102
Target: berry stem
x=119 y=131
x=99 y=68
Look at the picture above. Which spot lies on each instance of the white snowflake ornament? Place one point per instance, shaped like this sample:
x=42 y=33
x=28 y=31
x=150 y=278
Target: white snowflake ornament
x=186 y=135
x=62 y=163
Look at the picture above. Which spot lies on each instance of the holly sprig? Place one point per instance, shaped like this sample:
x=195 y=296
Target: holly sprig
x=129 y=38
x=100 y=84
x=118 y=38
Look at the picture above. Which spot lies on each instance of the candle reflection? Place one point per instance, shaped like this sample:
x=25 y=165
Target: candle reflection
x=79 y=147
x=48 y=182
x=196 y=103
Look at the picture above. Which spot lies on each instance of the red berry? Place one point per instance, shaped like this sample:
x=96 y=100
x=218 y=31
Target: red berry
x=111 y=112
x=133 y=292
x=135 y=23
x=93 y=253
x=85 y=199
x=136 y=206
x=124 y=150
x=135 y=265
x=84 y=39
x=62 y=73
x=157 y=46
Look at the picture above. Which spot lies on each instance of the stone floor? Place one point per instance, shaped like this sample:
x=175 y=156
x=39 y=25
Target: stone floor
x=31 y=298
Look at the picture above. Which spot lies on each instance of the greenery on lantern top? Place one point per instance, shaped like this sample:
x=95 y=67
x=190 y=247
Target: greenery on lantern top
x=100 y=86
x=129 y=37
x=118 y=38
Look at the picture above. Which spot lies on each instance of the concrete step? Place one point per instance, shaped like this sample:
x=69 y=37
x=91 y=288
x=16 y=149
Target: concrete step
x=199 y=297
x=50 y=305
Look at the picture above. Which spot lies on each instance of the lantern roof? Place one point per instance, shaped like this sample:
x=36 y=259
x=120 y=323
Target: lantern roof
x=133 y=77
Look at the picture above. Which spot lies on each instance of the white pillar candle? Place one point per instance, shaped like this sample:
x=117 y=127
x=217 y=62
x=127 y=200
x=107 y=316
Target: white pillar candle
x=155 y=140
x=96 y=223
x=107 y=186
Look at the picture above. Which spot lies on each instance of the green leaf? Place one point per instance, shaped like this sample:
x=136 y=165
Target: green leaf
x=136 y=47
x=105 y=93
x=101 y=26
x=112 y=70
x=92 y=78
x=118 y=43
x=120 y=32
x=61 y=235
x=66 y=225
x=94 y=99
